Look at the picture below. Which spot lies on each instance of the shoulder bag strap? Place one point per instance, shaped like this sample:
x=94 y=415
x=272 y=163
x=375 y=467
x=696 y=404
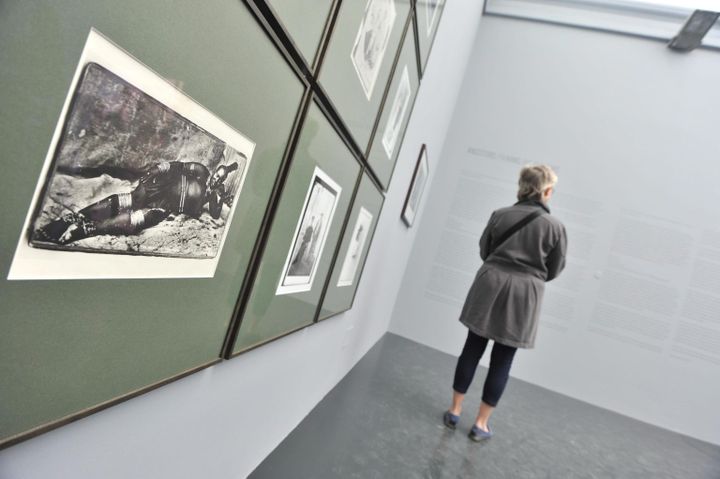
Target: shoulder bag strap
x=515 y=228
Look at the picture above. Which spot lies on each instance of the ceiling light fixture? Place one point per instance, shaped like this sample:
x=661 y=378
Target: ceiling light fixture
x=693 y=31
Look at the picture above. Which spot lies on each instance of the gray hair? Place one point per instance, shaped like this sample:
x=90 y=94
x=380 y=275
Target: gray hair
x=534 y=179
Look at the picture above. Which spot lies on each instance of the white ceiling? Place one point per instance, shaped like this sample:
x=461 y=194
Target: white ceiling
x=711 y=5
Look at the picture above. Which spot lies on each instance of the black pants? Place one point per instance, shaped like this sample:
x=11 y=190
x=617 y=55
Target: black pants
x=500 y=361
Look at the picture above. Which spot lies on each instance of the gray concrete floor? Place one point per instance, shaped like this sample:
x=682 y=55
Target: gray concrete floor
x=383 y=420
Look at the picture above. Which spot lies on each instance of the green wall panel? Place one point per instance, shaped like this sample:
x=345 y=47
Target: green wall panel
x=70 y=345
x=267 y=315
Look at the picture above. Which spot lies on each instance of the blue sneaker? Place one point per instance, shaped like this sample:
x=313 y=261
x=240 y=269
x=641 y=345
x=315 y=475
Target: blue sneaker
x=450 y=420
x=477 y=434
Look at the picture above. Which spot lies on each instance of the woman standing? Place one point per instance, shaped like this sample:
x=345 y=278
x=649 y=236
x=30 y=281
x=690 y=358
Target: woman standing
x=522 y=247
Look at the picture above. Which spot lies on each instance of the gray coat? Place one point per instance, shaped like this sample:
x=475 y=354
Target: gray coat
x=504 y=301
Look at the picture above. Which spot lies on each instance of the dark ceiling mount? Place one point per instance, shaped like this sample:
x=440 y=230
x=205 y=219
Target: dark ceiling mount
x=692 y=32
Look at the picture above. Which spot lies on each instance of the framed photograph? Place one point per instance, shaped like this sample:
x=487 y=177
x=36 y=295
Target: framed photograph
x=429 y=14
x=395 y=114
x=412 y=202
x=358 y=237
x=371 y=42
x=140 y=181
x=353 y=251
x=360 y=59
x=300 y=250
x=84 y=345
x=310 y=234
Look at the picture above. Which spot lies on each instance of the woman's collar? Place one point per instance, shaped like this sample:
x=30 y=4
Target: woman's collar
x=534 y=203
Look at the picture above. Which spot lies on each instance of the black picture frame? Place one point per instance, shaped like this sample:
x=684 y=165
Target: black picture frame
x=416 y=188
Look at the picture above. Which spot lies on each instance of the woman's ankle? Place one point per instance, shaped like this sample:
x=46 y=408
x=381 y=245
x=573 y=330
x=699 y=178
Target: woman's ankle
x=482 y=425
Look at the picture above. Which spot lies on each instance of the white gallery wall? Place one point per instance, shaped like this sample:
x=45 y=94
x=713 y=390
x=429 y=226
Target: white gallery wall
x=223 y=421
x=633 y=325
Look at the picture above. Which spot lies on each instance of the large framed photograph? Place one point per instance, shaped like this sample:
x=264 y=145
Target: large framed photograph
x=371 y=42
x=140 y=181
x=417 y=186
x=310 y=234
x=84 y=345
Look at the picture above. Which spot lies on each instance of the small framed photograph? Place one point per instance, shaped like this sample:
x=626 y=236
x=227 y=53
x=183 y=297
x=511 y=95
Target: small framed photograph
x=357 y=244
x=353 y=251
x=414 y=195
x=397 y=114
x=371 y=42
x=310 y=234
x=429 y=13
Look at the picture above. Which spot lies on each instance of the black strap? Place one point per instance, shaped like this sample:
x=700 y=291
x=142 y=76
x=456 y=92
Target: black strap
x=515 y=228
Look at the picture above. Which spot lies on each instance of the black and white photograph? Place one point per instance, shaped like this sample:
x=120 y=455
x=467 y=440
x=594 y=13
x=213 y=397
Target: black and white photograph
x=131 y=175
x=371 y=42
x=412 y=202
x=355 y=248
x=310 y=234
x=397 y=114
x=431 y=12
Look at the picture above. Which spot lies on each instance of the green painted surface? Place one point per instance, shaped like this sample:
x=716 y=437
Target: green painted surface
x=269 y=315
x=338 y=75
x=381 y=163
x=340 y=298
x=70 y=345
x=304 y=21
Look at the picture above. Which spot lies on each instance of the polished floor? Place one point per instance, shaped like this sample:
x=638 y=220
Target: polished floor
x=383 y=421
